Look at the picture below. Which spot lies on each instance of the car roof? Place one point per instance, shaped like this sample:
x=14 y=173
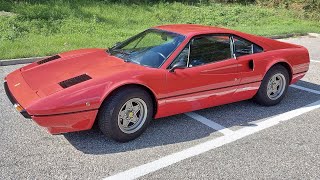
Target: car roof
x=193 y=29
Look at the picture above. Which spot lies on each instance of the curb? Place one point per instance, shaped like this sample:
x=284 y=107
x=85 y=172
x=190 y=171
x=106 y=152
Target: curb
x=8 y=62
x=287 y=35
x=293 y=35
x=314 y=35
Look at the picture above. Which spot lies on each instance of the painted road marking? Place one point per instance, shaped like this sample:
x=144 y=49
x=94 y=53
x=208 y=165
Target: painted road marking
x=225 y=130
x=166 y=161
x=305 y=89
x=210 y=123
x=314 y=60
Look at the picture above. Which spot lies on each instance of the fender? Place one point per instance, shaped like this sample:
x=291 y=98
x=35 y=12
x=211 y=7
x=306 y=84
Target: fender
x=278 y=61
x=113 y=87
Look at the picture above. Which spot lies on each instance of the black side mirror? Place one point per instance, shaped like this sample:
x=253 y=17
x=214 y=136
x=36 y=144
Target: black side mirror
x=178 y=65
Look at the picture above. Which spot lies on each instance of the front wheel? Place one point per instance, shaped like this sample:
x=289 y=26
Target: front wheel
x=126 y=114
x=274 y=86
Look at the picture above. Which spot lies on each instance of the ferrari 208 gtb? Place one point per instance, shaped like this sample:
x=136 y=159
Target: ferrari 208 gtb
x=162 y=71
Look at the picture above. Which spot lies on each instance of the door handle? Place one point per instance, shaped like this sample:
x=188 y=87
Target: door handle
x=251 y=64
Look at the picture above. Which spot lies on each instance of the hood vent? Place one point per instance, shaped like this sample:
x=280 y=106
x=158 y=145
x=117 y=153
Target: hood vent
x=75 y=80
x=49 y=59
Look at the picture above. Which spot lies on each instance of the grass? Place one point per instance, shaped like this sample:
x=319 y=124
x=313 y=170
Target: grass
x=38 y=28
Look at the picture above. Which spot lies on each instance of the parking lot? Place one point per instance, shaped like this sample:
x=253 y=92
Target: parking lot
x=242 y=140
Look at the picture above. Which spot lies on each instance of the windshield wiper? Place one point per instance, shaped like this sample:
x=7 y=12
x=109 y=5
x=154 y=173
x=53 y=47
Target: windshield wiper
x=119 y=51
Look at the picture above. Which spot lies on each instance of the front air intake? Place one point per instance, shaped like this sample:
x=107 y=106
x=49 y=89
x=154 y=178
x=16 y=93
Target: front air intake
x=48 y=59
x=75 y=80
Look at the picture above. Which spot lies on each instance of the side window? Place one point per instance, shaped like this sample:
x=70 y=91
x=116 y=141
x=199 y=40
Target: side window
x=243 y=47
x=208 y=49
x=182 y=57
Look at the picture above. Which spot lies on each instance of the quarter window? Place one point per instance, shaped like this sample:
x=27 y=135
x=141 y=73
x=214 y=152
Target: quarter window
x=182 y=57
x=243 y=47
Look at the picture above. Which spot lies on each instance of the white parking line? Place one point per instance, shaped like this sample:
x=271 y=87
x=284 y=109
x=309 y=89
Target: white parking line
x=225 y=130
x=165 y=161
x=210 y=123
x=305 y=89
x=314 y=60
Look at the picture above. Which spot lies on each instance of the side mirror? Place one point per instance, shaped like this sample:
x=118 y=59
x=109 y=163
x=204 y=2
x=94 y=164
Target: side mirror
x=178 y=65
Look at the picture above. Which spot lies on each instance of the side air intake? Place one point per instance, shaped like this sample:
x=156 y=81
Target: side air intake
x=48 y=59
x=75 y=80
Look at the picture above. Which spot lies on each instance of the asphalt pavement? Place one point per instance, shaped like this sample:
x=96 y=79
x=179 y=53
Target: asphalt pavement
x=256 y=142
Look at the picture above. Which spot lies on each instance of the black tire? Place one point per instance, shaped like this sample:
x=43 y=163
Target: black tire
x=262 y=97
x=109 y=110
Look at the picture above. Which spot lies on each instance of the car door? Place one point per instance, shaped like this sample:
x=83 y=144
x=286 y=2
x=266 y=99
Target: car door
x=248 y=56
x=251 y=64
x=210 y=73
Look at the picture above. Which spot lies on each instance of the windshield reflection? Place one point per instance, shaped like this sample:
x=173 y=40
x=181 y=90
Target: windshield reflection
x=149 y=48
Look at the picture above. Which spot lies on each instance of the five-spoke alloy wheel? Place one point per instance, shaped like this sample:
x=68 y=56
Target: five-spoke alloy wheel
x=276 y=86
x=273 y=86
x=132 y=115
x=126 y=114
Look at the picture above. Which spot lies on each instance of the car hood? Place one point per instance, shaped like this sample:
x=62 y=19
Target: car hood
x=45 y=76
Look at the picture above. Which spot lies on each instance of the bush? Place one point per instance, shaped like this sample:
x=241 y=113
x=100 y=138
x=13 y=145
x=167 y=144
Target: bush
x=307 y=8
x=41 y=27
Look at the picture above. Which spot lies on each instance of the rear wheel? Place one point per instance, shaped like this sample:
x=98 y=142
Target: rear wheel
x=125 y=115
x=274 y=86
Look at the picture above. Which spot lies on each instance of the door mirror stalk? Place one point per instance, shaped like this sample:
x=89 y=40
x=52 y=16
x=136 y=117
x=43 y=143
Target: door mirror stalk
x=178 y=65
x=234 y=56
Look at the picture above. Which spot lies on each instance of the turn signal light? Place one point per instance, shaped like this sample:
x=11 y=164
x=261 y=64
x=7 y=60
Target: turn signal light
x=18 y=107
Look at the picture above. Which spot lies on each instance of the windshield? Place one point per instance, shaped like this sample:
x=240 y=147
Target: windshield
x=149 y=48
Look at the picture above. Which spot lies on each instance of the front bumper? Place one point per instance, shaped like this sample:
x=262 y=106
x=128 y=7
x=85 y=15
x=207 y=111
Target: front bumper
x=23 y=97
x=60 y=123
x=70 y=122
x=15 y=103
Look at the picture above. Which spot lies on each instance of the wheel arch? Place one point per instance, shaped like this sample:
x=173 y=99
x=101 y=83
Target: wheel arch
x=261 y=95
x=131 y=85
x=285 y=65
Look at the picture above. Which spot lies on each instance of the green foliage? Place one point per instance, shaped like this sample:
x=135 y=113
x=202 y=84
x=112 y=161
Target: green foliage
x=304 y=8
x=40 y=27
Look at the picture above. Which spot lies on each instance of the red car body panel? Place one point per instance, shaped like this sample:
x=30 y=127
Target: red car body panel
x=67 y=122
x=36 y=86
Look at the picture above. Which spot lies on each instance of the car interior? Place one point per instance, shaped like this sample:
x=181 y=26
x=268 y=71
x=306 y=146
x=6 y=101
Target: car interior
x=208 y=49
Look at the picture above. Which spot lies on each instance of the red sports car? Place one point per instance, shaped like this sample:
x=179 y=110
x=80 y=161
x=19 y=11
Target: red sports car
x=162 y=71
